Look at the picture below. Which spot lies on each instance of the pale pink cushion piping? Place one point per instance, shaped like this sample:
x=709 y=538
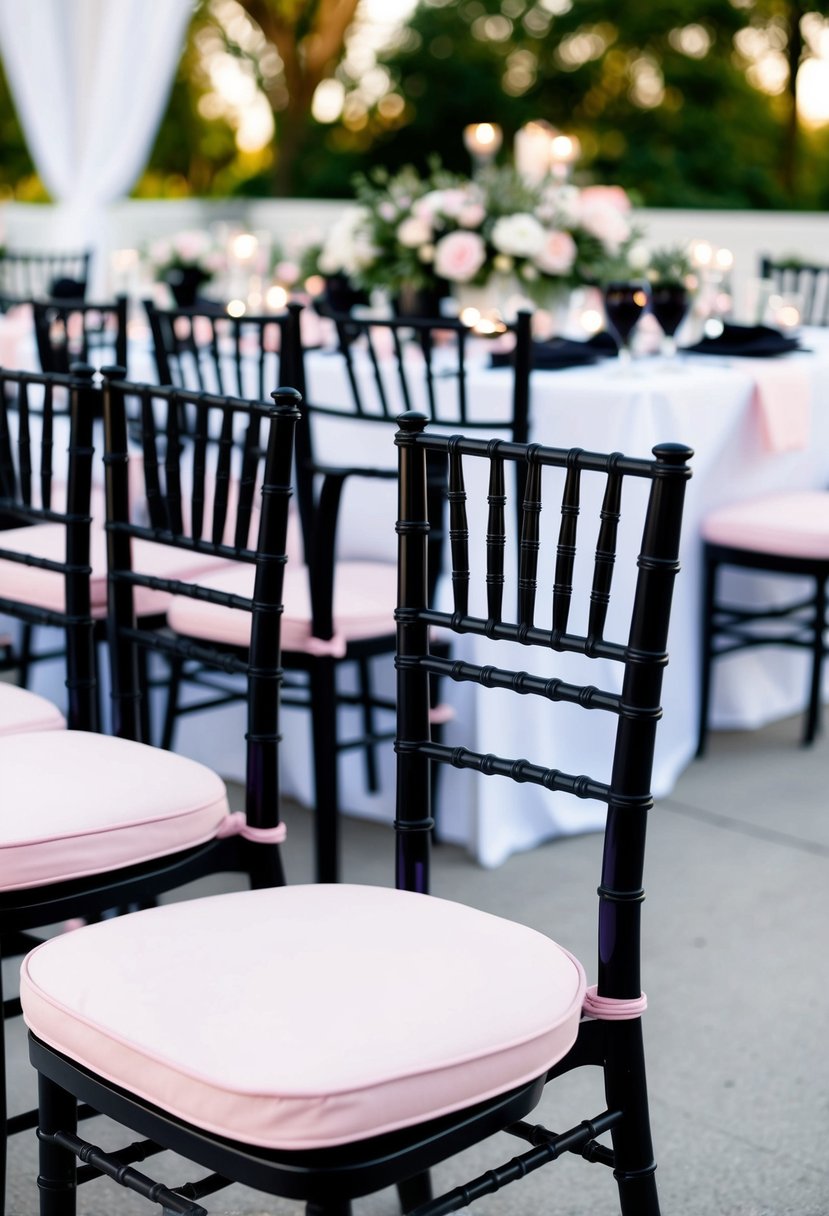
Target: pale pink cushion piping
x=76 y=804
x=21 y=710
x=435 y=1054
x=794 y=524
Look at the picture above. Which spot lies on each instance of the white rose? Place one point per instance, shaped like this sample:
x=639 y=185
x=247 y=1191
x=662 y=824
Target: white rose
x=414 y=231
x=519 y=235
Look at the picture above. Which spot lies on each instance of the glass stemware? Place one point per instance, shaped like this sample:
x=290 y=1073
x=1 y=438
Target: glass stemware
x=669 y=304
x=624 y=304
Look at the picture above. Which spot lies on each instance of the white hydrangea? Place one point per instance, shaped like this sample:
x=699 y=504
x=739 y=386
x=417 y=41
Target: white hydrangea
x=348 y=247
x=519 y=235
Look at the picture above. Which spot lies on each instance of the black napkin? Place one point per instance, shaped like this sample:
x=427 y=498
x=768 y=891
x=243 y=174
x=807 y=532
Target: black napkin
x=756 y=341
x=555 y=353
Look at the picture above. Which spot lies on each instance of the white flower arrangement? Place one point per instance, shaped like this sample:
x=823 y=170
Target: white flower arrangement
x=421 y=232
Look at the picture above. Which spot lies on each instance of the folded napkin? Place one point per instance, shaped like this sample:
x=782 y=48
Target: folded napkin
x=751 y=341
x=783 y=403
x=555 y=353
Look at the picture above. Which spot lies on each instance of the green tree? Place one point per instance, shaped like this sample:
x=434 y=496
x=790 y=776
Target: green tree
x=658 y=94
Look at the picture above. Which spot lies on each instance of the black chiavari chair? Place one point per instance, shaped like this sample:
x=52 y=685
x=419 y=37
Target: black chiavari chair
x=411 y=1073
x=95 y=822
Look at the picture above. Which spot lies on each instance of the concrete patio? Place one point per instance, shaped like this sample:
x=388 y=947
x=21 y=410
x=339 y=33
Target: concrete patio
x=736 y=973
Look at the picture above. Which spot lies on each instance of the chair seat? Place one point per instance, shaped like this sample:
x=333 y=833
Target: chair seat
x=290 y=1052
x=76 y=803
x=45 y=588
x=364 y=599
x=792 y=524
x=21 y=710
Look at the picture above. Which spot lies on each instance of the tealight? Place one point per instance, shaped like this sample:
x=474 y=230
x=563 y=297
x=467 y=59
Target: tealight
x=276 y=297
x=236 y=308
x=470 y=317
x=244 y=246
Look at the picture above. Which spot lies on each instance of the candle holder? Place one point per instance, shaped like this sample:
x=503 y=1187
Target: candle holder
x=532 y=151
x=565 y=150
x=482 y=141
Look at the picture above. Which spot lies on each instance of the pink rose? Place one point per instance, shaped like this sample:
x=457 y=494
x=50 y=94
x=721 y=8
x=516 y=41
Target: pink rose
x=558 y=254
x=459 y=256
x=286 y=272
x=607 y=196
x=472 y=215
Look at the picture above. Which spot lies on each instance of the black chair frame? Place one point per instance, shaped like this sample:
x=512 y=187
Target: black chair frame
x=221 y=360
x=319 y=492
x=728 y=628
x=807 y=279
x=102 y=338
x=269 y=431
x=25 y=276
x=329 y=1180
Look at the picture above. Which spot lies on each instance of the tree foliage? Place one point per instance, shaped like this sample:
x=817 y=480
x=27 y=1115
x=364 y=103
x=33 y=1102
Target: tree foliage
x=665 y=97
x=658 y=93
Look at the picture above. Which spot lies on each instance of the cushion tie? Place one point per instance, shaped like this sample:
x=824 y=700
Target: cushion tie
x=612 y=1008
x=439 y=715
x=321 y=648
x=236 y=824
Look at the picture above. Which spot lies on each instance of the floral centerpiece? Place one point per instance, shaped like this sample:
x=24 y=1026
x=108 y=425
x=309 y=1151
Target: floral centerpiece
x=494 y=232
x=186 y=261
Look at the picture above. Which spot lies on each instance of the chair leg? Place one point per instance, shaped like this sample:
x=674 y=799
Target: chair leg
x=3 y=1107
x=706 y=650
x=326 y=786
x=25 y=655
x=171 y=708
x=813 y=713
x=367 y=707
x=626 y=1089
x=414 y=1191
x=57 y=1178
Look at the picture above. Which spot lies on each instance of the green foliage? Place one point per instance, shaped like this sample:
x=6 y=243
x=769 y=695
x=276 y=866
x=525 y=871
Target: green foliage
x=671 y=266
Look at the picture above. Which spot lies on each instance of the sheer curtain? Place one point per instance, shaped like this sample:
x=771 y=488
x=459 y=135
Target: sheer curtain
x=90 y=80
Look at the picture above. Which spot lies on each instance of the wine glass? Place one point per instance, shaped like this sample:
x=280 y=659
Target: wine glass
x=624 y=303
x=669 y=304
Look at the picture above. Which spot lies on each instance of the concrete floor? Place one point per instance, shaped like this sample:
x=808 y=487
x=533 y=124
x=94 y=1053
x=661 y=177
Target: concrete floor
x=736 y=974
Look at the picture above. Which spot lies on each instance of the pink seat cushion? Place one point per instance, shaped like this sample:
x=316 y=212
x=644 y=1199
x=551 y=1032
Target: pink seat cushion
x=792 y=524
x=364 y=600
x=21 y=710
x=75 y=803
x=45 y=588
x=325 y=1013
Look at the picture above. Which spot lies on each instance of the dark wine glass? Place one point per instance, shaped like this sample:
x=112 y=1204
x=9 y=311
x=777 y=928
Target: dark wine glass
x=669 y=304
x=624 y=304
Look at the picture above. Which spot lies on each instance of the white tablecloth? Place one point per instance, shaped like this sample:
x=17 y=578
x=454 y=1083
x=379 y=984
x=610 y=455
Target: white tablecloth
x=709 y=404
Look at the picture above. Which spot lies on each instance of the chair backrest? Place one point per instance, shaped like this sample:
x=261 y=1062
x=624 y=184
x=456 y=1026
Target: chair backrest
x=73 y=331
x=579 y=619
x=202 y=489
x=381 y=366
x=40 y=276
x=214 y=352
x=810 y=282
x=417 y=363
x=43 y=416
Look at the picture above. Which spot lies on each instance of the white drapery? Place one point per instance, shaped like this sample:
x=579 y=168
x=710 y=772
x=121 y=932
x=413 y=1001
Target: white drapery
x=90 y=79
